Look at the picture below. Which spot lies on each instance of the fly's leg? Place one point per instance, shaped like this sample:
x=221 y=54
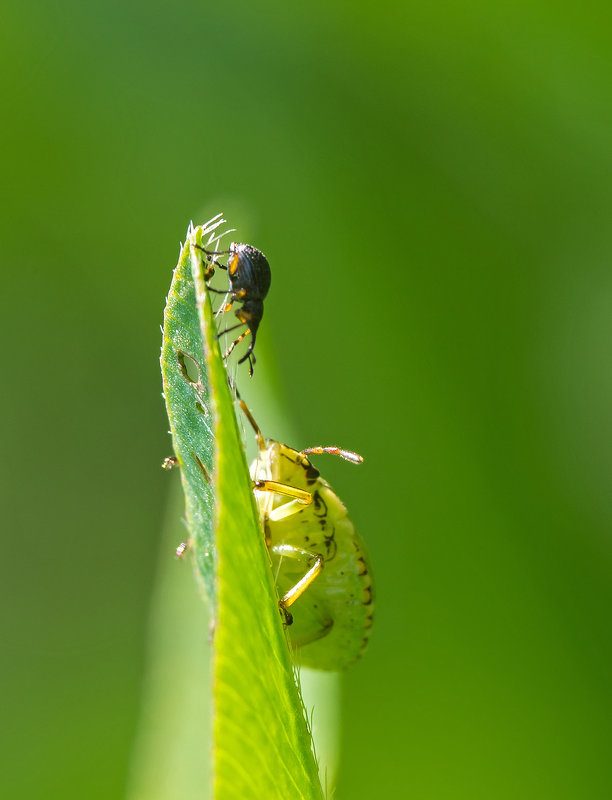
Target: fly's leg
x=249 y=353
x=213 y=253
x=284 y=489
x=298 y=589
x=235 y=296
x=261 y=443
x=301 y=498
x=182 y=548
x=229 y=330
x=226 y=306
x=244 y=319
x=210 y=270
x=237 y=342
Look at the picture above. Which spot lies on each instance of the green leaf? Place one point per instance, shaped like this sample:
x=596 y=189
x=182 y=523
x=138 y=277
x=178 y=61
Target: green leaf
x=262 y=744
x=185 y=385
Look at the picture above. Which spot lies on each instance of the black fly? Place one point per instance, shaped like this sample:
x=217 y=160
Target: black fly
x=249 y=282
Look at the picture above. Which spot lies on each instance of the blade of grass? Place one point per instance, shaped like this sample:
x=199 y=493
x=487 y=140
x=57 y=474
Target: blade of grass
x=262 y=745
x=185 y=383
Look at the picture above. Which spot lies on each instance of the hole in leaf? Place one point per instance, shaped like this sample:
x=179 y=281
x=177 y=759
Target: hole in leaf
x=189 y=367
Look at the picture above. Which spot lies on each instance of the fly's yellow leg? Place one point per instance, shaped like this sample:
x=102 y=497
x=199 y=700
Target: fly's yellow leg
x=296 y=591
x=261 y=443
x=283 y=488
x=301 y=498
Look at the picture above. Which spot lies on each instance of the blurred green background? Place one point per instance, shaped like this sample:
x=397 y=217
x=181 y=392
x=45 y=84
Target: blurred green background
x=432 y=184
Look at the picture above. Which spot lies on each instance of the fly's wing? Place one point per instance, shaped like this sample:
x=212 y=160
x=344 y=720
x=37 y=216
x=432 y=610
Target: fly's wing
x=260 y=273
x=249 y=271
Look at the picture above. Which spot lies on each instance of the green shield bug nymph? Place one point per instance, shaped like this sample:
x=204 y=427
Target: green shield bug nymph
x=322 y=569
x=249 y=282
